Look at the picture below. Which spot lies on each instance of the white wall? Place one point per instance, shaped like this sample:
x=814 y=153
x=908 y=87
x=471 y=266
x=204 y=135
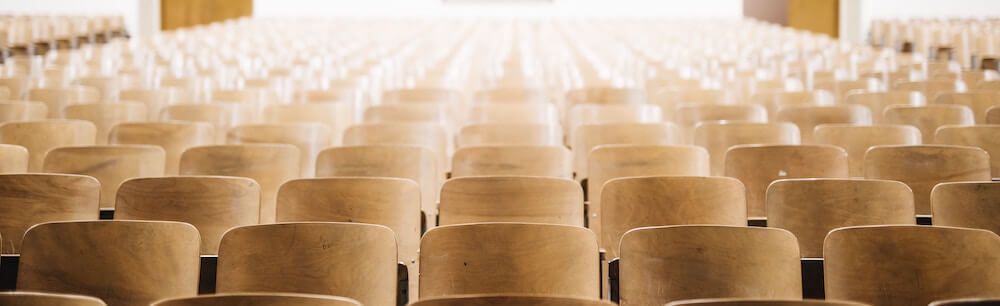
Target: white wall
x=142 y=17
x=856 y=16
x=700 y=8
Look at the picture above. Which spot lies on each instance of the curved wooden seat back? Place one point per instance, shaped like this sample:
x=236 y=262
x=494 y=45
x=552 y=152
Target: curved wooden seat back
x=811 y=208
x=982 y=136
x=967 y=204
x=270 y=165
x=213 y=204
x=993 y=115
x=717 y=137
x=509 y=258
x=588 y=137
x=510 y=300
x=761 y=302
x=437 y=113
x=977 y=101
x=432 y=136
x=509 y=134
x=807 y=117
x=47 y=299
x=29 y=199
x=352 y=260
x=687 y=115
x=511 y=199
x=155 y=99
x=17 y=86
x=840 y=89
x=967 y=302
x=13 y=159
x=335 y=94
x=548 y=161
x=513 y=113
x=774 y=101
x=670 y=97
x=670 y=263
x=58 y=98
x=605 y=95
x=107 y=87
x=759 y=165
x=106 y=115
x=929 y=117
x=22 y=111
x=41 y=136
x=512 y=95
x=259 y=299
x=590 y=114
x=221 y=116
x=932 y=88
x=120 y=262
x=310 y=138
x=111 y=165
x=865 y=263
x=633 y=202
x=421 y=95
x=335 y=116
x=878 y=101
x=856 y=139
x=924 y=166
x=174 y=137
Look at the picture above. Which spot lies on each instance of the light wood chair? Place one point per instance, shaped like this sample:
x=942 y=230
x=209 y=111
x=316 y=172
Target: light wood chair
x=513 y=113
x=670 y=98
x=988 y=85
x=352 y=260
x=213 y=204
x=717 y=137
x=810 y=208
x=270 y=165
x=336 y=116
x=509 y=258
x=775 y=101
x=761 y=302
x=807 y=117
x=115 y=261
x=664 y=264
x=107 y=87
x=56 y=99
x=17 y=86
x=966 y=204
x=309 y=138
x=878 y=101
x=110 y=165
x=511 y=199
x=13 y=159
x=22 y=111
x=422 y=95
x=759 y=165
x=510 y=300
x=548 y=161
x=865 y=263
x=928 y=118
x=633 y=202
x=932 y=88
x=41 y=136
x=432 y=136
x=29 y=199
x=605 y=95
x=985 y=137
x=840 y=89
x=509 y=134
x=993 y=115
x=155 y=99
x=512 y=95
x=856 y=140
x=688 y=115
x=173 y=136
x=589 y=114
x=259 y=299
x=22 y=298
x=977 y=101
x=106 y=115
x=409 y=113
x=967 y=302
x=222 y=116
x=924 y=166
x=588 y=137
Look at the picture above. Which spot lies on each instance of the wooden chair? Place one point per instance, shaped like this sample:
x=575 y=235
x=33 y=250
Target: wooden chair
x=22 y=111
x=513 y=113
x=924 y=166
x=807 y=117
x=422 y=95
x=309 y=138
x=512 y=95
x=509 y=258
x=982 y=136
x=213 y=204
x=432 y=136
x=977 y=101
x=509 y=134
x=17 y=86
x=270 y=165
x=588 y=137
x=967 y=302
x=13 y=159
x=840 y=89
x=633 y=202
x=775 y=101
x=221 y=116
x=549 y=161
x=670 y=263
x=759 y=165
x=687 y=115
x=605 y=95
x=511 y=199
x=173 y=136
x=409 y=162
x=259 y=299
x=115 y=261
x=47 y=299
x=988 y=85
x=56 y=99
x=29 y=199
x=409 y=113
x=856 y=140
x=41 y=136
x=589 y=114
x=993 y=115
x=966 y=204
x=107 y=87
x=811 y=208
x=877 y=102
x=110 y=165
x=717 y=137
x=352 y=260
x=155 y=99
x=669 y=98
x=106 y=115
x=510 y=300
x=865 y=263
x=931 y=89
x=761 y=302
x=336 y=116
x=929 y=118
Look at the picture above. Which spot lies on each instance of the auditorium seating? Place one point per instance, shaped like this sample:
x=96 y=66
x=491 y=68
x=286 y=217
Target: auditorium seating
x=47 y=299
x=761 y=302
x=510 y=300
x=260 y=299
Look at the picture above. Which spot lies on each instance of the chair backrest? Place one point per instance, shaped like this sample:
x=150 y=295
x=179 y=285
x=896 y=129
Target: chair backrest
x=58 y=98
x=923 y=166
x=606 y=95
x=29 y=199
x=510 y=134
x=633 y=202
x=309 y=138
x=221 y=116
x=759 y=165
x=878 y=101
x=549 y=161
x=978 y=101
x=966 y=204
x=106 y=115
x=774 y=101
x=259 y=299
x=856 y=139
x=688 y=115
x=761 y=302
x=967 y=302
x=421 y=95
x=511 y=199
x=47 y=299
x=121 y=262
x=932 y=88
x=807 y=117
x=213 y=204
x=110 y=165
x=669 y=263
x=432 y=136
x=929 y=117
x=270 y=165
x=511 y=300
x=155 y=99
x=174 y=137
x=865 y=263
x=13 y=159
x=993 y=115
x=512 y=95
x=17 y=86
x=408 y=113
x=513 y=113
x=717 y=137
x=22 y=111
x=588 y=137
x=41 y=136
x=982 y=136
x=352 y=260
x=335 y=116
x=810 y=208
x=587 y=114
x=509 y=258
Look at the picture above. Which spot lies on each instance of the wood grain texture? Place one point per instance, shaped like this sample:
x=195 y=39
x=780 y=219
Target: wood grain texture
x=111 y=165
x=910 y=265
x=759 y=165
x=176 y=14
x=335 y=116
x=121 y=262
x=29 y=199
x=511 y=199
x=174 y=137
x=260 y=299
x=213 y=204
x=717 y=137
x=47 y=299
x=967 y=204
x=923 y=166
x=22 y=111
x=856 y=140
x=588 y=137
x=547 y=161
x=509 y=134
x=106 y=115
x=509 y=258
x=977 y=101
x=41 y=136
x=56 y=99
x=761 y=302
x=670 y=263
x=409 y=162
x=811 y=208
x=13 y=159
x=986 y=137
x=352 y=260
x=432 y=136
x=929 y=117
x=689 y=114
x=877 y=102
x=967 y=302
x=807 y=117
x=510 y=300
x=310 y=138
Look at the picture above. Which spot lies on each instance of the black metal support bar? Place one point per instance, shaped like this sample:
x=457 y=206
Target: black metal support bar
x=812 y=278
x=613 y=281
